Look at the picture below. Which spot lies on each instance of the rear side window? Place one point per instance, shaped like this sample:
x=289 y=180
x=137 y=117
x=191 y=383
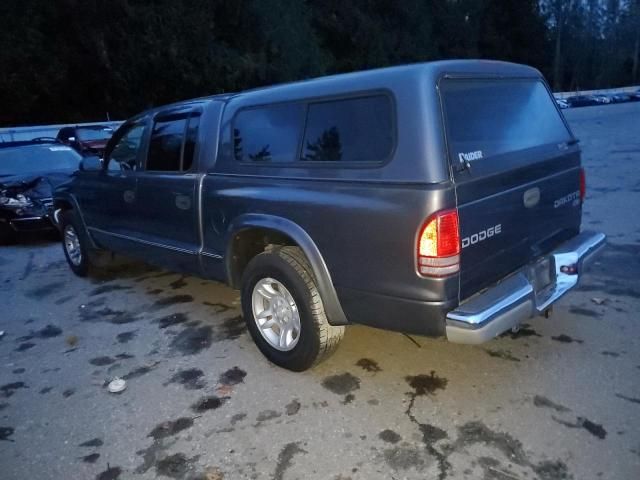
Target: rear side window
x=268 y=134
x=172 y=143
x=349 y=130
x=493 y=117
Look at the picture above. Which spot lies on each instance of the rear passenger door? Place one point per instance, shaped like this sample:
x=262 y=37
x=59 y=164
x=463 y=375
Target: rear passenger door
x=167 y=209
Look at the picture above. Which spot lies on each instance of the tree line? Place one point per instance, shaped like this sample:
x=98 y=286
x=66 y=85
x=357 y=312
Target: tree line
x=84 y=60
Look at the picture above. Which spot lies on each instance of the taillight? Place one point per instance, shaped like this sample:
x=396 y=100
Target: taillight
x=438 y=246
x=583 y=185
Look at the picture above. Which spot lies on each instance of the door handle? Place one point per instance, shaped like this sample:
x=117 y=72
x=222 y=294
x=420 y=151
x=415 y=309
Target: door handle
x=183 y=202
x=129 y=196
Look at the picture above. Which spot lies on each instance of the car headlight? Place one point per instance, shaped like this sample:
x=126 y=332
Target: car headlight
x=19 y=201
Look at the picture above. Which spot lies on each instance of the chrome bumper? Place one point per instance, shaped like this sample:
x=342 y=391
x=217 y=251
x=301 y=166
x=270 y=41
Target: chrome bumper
x=517 y=298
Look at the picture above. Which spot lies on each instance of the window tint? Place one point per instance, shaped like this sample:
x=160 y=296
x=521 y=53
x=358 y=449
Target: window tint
x=351 y=130
x=268 y=134
x=165 y=146
x=190 y=142
x=493 y=117
x=124 y=154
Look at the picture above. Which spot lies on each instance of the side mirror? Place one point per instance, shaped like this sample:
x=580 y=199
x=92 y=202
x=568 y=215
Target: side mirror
x=91 y=163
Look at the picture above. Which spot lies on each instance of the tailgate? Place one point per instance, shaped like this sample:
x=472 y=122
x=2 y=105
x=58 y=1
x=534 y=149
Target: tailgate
x=517 y=172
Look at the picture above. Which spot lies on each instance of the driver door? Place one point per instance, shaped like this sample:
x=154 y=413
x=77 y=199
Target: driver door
x=113 y=216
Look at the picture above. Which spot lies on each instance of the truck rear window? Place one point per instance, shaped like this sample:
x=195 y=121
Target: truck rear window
x=485 y=118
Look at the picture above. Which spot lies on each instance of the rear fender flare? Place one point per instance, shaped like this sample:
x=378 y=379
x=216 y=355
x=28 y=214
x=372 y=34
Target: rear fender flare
x=327 y=291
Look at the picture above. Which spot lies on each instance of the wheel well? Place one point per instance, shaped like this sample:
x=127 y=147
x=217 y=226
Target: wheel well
x=248 y=243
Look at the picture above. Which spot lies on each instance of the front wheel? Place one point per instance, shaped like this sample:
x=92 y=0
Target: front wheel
x=284 y=311
x=75 y=244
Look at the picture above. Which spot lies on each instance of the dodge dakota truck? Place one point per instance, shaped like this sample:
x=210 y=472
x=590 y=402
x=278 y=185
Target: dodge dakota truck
x=439 y=199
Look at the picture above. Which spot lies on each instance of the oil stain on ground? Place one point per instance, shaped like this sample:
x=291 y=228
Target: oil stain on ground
x=232 y=328
x=91 y=458
x=94 y=442
x=502 y=354
x=293 y=407
x=49 y=331
x=171 y=320
x=191 y=379
x=594 y=429
x=107 y=288
x=171 y=428
x=9 y=389
x=192 y=340
x=232 y=376
x=285 y=459
x=562 y=338
x=126 y=337
x=368 y=365
x=176 y=465
x=111 y=473
x=543 y=402
x=426 y=384
x=341 y=384
x=140 y=371
x=208 y=403
x=6 y=433
x=173 y=300
x=389 y=436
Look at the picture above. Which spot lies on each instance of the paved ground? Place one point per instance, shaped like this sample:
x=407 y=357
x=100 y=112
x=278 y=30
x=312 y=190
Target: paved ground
x=559 y=400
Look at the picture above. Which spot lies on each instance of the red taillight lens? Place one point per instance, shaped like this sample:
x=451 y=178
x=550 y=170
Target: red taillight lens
x=439 y=245
x=583 y=185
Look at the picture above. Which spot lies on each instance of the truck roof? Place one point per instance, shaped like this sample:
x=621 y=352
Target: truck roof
x=366 y=79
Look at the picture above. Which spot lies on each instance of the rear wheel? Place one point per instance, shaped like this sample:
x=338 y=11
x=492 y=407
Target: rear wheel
x=75 y=243
x=284 y=311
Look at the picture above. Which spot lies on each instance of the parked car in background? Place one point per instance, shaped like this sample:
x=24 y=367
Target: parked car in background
x=562 y=103
x=619 y=97
x=600 y=98
x=371 y=197
x=86 y=139
x=582 y=101
x=29 y=171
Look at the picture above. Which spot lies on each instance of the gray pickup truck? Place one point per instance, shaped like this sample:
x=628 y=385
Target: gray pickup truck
x=440 y=199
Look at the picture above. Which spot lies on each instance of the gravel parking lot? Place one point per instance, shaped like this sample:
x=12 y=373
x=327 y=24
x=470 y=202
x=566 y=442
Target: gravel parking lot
x=560 y=399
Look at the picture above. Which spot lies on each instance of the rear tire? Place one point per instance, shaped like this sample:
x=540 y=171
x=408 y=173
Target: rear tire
x=75 y=243
x=292 y=288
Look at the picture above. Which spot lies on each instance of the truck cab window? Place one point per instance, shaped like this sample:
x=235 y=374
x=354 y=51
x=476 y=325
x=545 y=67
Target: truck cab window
x=124 y=154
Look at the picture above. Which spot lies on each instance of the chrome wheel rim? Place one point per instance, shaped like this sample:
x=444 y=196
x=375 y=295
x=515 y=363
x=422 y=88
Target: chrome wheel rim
x=276 y=314
x=72 y=245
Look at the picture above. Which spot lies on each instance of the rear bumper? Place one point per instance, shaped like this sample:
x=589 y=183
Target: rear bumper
x=517 y=298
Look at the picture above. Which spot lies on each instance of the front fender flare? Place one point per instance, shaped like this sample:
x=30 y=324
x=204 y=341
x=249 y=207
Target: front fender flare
x=327 y=291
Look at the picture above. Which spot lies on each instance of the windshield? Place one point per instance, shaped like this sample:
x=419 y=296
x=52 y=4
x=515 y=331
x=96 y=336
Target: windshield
x=37 y=158
x=103 y=133
x=493 y=117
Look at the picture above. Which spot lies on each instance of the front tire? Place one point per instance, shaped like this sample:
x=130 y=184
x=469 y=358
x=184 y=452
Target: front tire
x=75 y=243
x=284 y=312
